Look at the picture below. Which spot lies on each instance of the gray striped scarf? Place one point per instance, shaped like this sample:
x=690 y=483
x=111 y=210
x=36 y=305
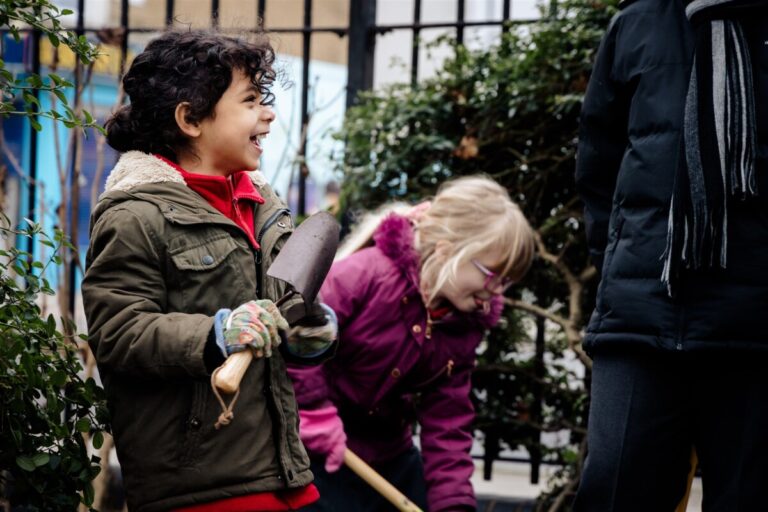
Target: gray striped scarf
x=717 y=159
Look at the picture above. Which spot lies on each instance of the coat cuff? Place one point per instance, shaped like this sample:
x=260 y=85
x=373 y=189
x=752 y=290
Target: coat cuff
x=212 y=356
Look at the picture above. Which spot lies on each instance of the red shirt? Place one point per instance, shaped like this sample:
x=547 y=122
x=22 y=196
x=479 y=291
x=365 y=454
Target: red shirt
x=235 y=197
x=292 y=499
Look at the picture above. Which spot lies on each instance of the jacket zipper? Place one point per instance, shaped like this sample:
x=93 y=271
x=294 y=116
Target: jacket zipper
x=277 y=427
x=235 y=208
x=268 y=224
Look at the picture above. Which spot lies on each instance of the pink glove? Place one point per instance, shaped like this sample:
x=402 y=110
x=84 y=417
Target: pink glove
x=322 y=433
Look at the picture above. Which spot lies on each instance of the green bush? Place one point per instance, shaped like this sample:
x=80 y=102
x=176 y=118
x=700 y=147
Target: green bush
x=510 y=111
x=46 y=406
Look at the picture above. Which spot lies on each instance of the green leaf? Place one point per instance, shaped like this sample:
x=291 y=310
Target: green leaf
x=58 y=378
x=30 y=98
x=25 y=463
x=53 y=38
x=34 y=81
x=40 y=459
x=83 y=425
x=62 y=97
x=98 y=440
x=88 y=494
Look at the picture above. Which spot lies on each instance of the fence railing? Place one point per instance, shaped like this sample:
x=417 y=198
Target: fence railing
x=361 y=32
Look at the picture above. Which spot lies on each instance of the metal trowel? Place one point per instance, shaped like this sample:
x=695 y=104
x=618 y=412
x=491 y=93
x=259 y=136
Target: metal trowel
x=302 y=263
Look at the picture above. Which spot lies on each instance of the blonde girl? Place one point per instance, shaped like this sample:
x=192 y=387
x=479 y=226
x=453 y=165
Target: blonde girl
x=412 y=309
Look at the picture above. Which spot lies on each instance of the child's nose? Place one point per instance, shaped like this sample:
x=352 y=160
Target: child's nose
x=269 y=114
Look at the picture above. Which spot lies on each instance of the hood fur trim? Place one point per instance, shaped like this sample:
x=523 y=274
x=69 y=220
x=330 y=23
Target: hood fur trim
x=394 y=237
x=135 y=168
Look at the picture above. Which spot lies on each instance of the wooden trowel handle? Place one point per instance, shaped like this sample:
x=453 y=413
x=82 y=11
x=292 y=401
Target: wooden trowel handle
x=378 y=482
x=230 y=373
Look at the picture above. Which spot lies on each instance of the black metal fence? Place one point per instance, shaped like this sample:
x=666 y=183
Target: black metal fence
x=362 y=32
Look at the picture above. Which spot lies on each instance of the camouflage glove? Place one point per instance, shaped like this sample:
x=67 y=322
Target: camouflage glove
x=312 y=341
x=253 y=324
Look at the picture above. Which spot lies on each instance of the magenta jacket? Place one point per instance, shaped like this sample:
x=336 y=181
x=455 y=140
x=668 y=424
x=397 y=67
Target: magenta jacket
x=387 y=355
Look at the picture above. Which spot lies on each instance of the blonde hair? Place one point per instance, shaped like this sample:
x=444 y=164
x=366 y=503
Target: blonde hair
x=476 y=216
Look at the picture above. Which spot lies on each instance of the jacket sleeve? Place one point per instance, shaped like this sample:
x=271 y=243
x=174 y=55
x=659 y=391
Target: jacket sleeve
x=345 y=290
x=445 y=415
x=602 y=142
x=124 y=293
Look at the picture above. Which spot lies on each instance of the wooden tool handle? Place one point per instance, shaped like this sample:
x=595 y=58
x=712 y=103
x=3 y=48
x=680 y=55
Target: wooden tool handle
x=230 y=373
x=378 y=482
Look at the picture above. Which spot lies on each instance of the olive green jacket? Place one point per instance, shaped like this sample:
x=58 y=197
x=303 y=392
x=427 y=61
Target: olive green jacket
x=162 y=261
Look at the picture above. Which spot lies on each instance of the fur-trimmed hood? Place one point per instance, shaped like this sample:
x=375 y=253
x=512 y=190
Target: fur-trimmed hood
x=135 y=168
x=395 y=238
x=145 y=177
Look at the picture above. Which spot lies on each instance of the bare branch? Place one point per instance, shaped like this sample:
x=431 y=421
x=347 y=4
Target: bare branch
x=588 y=274
x=539 y=311
x=556 y=261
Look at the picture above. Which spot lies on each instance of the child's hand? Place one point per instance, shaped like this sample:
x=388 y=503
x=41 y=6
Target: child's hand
x=256 y=324
x=322 y=432
x=310 y=341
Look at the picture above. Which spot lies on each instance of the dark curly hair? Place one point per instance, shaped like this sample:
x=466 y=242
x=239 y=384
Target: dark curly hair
x=194 y=67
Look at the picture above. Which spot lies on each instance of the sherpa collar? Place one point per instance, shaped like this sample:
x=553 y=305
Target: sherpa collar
x=135 y=168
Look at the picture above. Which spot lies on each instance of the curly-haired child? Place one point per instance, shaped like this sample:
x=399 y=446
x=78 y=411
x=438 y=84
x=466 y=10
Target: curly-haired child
x=176 y=282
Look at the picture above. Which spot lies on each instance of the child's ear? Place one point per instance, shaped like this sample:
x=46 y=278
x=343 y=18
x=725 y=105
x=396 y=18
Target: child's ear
x=188 y=128
x=443 y=250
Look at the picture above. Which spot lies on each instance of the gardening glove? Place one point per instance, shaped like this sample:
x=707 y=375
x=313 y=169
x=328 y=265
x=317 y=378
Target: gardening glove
x=312 y=341
x=253 y=324
x=322 y=433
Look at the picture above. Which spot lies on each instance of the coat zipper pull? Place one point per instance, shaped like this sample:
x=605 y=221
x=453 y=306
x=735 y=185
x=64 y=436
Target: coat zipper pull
x=449 y=367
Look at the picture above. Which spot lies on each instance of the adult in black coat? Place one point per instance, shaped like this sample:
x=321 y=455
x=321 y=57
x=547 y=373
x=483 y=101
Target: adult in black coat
x=678 y=335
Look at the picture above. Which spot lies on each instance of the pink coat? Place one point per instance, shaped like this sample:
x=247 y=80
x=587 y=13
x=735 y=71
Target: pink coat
x=387 y=355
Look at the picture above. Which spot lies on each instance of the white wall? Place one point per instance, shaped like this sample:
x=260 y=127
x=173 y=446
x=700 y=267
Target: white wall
x=393 y=50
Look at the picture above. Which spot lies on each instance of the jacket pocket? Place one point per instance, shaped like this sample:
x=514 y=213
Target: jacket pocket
x=204 y=256
x=208 y=275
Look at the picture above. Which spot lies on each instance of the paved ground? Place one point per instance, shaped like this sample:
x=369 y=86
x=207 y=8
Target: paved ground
x=510 y=489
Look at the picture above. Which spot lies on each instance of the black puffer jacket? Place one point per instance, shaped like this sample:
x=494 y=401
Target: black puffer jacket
x=628 y=151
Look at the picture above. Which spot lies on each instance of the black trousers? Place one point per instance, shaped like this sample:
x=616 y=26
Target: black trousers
x=344 y=491
x=648 y=410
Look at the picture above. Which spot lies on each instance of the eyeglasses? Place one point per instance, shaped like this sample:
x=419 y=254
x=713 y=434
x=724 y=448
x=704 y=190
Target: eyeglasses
x=493 y=281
